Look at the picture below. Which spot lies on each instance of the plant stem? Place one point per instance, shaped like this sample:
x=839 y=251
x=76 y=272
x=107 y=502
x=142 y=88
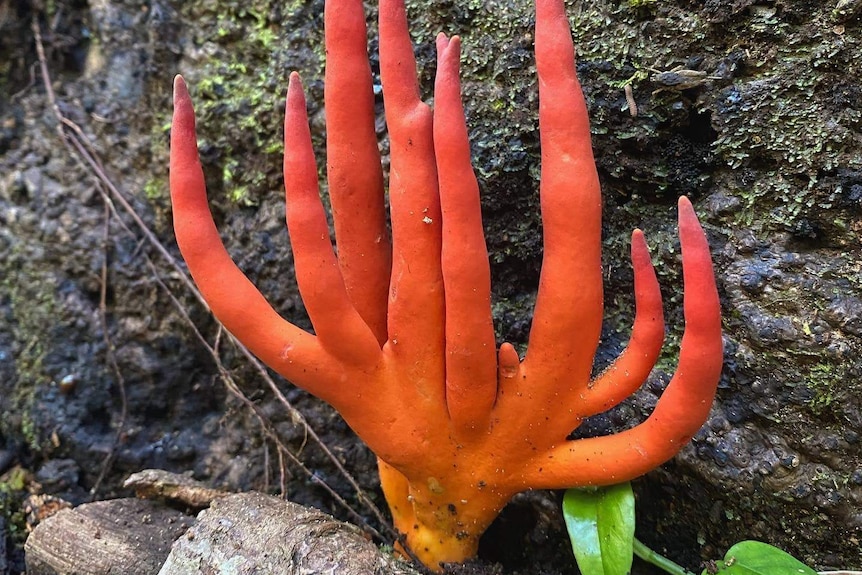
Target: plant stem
x=650 y=556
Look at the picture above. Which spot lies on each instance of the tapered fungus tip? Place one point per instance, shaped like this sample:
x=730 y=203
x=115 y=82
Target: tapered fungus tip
x=295 y=93
x=684 y=206
x=180 y=89
x=508 y=361
x=639 y=250
x=689 y=225
x=184 y=117
x=294 y=84
x=455 y=49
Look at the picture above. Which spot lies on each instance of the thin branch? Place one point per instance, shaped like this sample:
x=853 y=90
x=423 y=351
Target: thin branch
x=266 y=425
x=109 y=352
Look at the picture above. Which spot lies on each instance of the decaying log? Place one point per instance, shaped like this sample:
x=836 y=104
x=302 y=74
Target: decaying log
x=238 y=534
x=255 y=533
x=121 y=536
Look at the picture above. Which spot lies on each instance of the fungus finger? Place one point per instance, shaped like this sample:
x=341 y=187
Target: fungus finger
x=416 y=308
x=508 y=361
x=233 y=299
x=633 y=366
x=354 y=173
x=603 y=460
x=684 y=405
x=568 y=314
x=508 y=370
x=471 y=370
x=338 y=325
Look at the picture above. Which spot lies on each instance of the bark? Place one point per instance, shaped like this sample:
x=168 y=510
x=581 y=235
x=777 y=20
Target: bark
x=121 y=536
x=256 y=533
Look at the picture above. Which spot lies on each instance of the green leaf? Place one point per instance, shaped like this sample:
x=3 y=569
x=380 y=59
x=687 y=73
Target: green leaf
x=756 y=558
x=601 y=525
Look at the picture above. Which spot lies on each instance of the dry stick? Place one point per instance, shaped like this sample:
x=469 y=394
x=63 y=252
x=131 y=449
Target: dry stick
x=63 y=121
x=90 y=157
x=266 y=464
x=79 y=142
x=268 y=430
x=266 y=425
x=109 y=349
x=282 y=479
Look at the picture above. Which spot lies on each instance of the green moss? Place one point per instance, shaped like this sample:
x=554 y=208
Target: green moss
x=239 y=88
x=793 y=118
x=14 y=480
x=613 y=34
x=800 y=137
x=826 y=386
x=33 y=311
x=29 y=432
x=13 y=490
x=155 y=189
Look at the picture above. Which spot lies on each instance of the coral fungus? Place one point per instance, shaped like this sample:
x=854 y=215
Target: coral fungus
x=403 y=344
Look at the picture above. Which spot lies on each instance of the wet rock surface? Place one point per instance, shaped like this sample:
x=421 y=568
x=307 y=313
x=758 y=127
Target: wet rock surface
x=102 y=376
